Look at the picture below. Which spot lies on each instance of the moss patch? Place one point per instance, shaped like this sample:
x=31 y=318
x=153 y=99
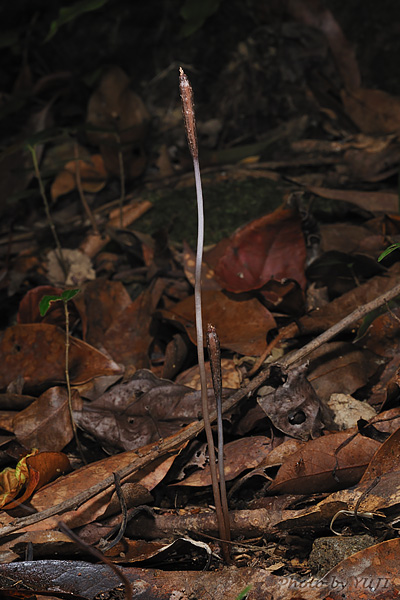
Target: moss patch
x=227 y=206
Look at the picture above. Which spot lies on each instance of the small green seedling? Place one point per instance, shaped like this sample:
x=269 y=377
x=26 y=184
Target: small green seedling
x=244 y=593
x=44 y=306
x=45 y=302
x=388 y=251
x=381 y=310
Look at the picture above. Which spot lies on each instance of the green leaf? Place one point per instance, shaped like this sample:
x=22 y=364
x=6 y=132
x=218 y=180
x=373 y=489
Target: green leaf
x=45 y=302
x=67 y=14
x=388 y=251
x=69 y=294
x=244 y=592
x=196 y=13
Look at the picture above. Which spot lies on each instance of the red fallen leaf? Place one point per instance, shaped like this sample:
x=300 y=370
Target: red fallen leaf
x=242 y=325
x=271 y=247
x=37 y=353
x=36 y=470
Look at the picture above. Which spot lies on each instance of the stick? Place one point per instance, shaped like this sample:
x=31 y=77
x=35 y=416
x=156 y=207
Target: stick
x=173 y=442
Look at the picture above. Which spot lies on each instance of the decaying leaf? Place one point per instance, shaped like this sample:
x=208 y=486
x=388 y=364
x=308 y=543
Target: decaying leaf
x=140 y=411
x=240 y=455
x=33 y=471
x=292 y=404
x=252 y=320
x=46 y=423
x=324 y=464
x=37 y=352
x=271 y=247
x=92 y=174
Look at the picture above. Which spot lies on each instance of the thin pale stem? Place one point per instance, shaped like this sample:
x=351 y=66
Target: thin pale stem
x=82 y=193
x=122 y=179
x=73 y=424
x=200 y=355
x=60 y=256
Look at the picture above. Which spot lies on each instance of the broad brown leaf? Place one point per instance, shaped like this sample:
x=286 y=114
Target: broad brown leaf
x=369 y=574
x=271 y=247
x=373 y=111
x=242 y=325
x=140 y=411
x=80 y=480
x=316 y=467
x=37 y=353
x=46 y=423
x=240 y=455
x=92 y=173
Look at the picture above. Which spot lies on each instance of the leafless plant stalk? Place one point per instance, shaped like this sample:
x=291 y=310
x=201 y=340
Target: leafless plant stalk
x=59 y=253
x=190 y=127
x=214 y=352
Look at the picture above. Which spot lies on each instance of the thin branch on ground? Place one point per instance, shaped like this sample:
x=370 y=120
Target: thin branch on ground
x=174 y=442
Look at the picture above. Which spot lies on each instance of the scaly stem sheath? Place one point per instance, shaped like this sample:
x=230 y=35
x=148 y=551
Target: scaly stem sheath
x=214 y=352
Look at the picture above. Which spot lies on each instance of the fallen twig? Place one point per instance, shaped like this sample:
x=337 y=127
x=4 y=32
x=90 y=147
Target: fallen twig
x=193 y=429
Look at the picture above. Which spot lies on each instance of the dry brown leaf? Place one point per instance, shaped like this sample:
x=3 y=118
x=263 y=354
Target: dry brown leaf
x=373 y=111
x=230 y=375
x=78 y=481
x=240 y=455
x=46 y=423
x=92 y=173
x=37 y=353
x=316 y=467
x=252 y=321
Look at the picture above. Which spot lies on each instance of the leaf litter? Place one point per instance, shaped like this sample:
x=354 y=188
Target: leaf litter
x=311 y=456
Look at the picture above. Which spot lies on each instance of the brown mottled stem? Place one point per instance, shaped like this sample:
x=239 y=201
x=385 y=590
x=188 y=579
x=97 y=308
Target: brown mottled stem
x=214 y=352
x=190 y=127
